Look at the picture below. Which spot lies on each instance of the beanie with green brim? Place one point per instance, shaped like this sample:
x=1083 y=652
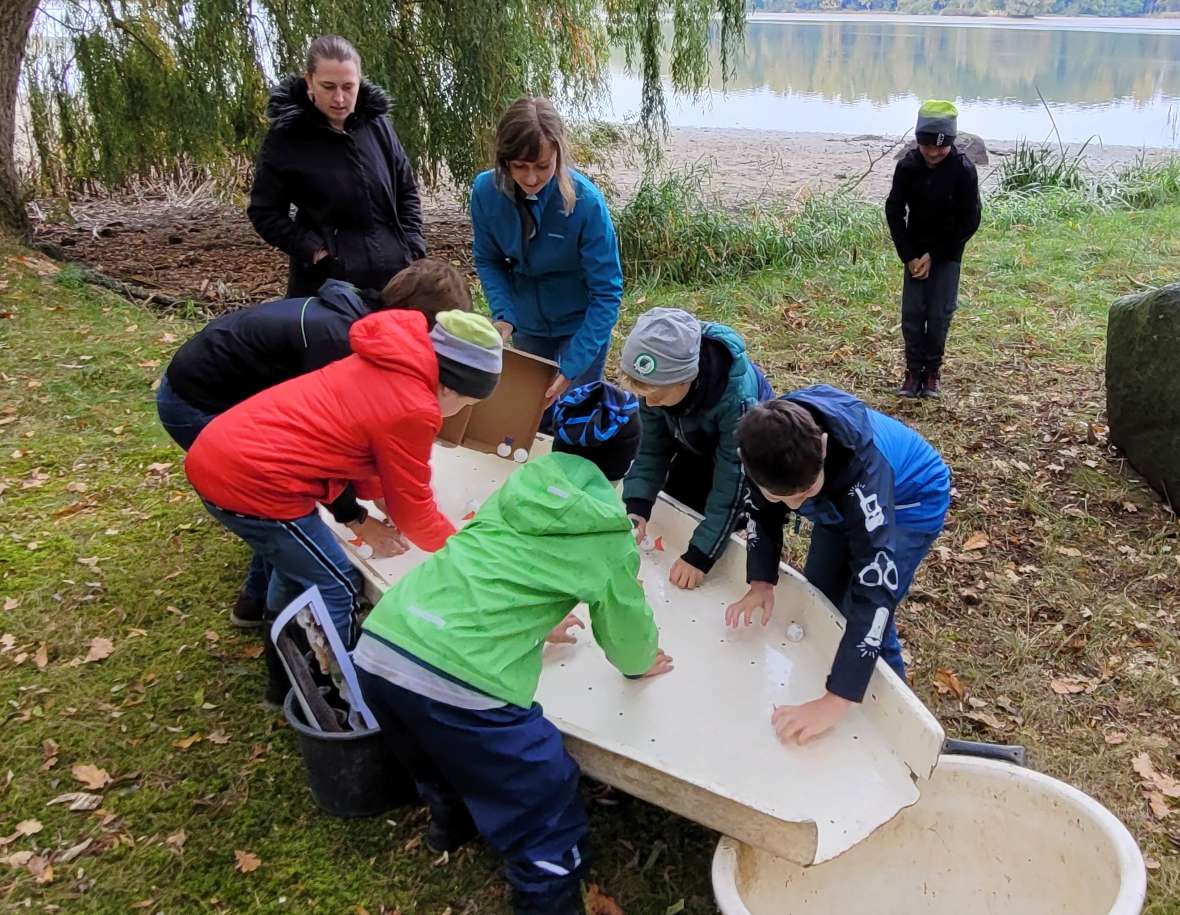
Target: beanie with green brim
x=470 y=353
x=938 y=123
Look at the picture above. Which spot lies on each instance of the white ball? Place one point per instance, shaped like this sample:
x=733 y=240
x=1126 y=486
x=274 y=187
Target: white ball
x=504 y=449
x=647 y=544
x=794 y=633
x=520 y=455
x=362 y=549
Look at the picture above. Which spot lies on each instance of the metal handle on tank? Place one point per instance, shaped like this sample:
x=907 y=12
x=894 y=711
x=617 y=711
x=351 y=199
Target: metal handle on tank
x=1003 y=752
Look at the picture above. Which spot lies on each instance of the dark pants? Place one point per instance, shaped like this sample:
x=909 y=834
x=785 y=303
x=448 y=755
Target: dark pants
x=184 y=423
x=554 y=348
x=507 y=766
x=300 y=553
x=927 y=307
x=827 y=568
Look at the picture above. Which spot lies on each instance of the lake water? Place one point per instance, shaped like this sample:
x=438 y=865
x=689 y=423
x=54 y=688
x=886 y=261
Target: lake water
x=1119 y=83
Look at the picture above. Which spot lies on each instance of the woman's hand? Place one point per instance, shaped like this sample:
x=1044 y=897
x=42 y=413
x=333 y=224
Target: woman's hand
x=560 y=386
x=319 y=255
x=505 y=330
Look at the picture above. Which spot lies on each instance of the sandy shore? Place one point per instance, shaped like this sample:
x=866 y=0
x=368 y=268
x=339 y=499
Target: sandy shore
x=746 y=166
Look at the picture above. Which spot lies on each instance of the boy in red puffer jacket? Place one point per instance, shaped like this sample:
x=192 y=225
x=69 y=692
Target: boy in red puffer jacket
x=369 y=419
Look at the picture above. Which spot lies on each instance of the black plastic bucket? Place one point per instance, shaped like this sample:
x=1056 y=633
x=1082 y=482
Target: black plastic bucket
x=352 y=773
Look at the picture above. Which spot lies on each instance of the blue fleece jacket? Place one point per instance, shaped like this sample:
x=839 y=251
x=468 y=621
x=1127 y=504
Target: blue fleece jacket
x=545 y=273
x=879 y=475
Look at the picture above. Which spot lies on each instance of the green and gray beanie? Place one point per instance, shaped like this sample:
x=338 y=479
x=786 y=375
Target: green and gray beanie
x=663 y=348
x=938 y=123
x=470 y=353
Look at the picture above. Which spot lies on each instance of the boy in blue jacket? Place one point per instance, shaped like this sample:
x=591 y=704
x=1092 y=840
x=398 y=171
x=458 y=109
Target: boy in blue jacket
x=877 y=495
x=696 y=382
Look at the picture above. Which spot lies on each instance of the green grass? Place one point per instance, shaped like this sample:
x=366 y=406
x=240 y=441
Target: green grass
x=78 y=443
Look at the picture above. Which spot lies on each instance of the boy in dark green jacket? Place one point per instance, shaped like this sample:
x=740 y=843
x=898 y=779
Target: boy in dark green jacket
x=450 y=657
x=696 y=382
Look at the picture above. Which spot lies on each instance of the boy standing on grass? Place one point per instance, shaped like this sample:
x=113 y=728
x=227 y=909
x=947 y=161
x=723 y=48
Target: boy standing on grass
x=696 y=382
x=450 y=657
x=876 y=494
x=369 y=419
x=242 y=353
x=933 y=209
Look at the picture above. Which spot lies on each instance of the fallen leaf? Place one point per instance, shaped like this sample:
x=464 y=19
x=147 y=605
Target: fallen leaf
x=1066 y=686
x=1150 y=863
x=78 y=800
x=40 y=868
x=989 y=719
x=91 y=776
x=977 y=541
x=218 y=737
x=1069 y=551
x=100 y=648
x=247 y=863
x=1115 y=738
x=17 y=859
x=185 y=742
x=1162 y=782
x=675 y=908
x=1158 y=804
x=598 y=903
x=74 y=851
x=143 y=904
x=1130 y=507
x=159 y=470
x=946 y=683
x=177 y=839
x=88 y=561
x=28 y=827
x=41 y=658
x=75 y=487
x=253 y=651
x=212 y=636
x=11 y=603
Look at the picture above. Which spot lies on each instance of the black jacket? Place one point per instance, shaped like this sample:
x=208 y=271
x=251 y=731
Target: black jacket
x=933 y=210
x=247 y=351
x=354 y=191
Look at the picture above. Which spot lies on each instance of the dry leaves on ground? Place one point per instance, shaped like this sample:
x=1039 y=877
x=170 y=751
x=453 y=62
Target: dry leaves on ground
x=246 y=862
x=91 y=776
x=599 y=903
x=946 y=682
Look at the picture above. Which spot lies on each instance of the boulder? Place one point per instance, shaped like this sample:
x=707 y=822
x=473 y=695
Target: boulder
x=1143 y=385
x=968 y=144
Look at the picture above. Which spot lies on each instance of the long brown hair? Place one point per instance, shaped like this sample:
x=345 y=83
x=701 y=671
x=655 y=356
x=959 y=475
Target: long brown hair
x=332 y=47
x=527 y=122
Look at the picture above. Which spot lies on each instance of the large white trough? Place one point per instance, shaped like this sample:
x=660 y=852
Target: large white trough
x=698 y=741
x=986 y=838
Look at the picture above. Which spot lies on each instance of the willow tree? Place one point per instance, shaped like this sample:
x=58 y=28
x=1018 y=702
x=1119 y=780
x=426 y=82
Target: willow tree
x=139 y=87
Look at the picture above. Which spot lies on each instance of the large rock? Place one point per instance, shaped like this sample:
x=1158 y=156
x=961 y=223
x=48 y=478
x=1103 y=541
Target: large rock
x=1143 y=385
x=968 y=144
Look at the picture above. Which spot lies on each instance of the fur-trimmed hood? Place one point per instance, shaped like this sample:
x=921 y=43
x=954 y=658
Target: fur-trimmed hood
x=289 y=105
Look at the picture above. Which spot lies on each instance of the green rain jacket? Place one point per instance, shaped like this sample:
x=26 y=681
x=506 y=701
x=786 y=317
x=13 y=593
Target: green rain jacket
x=553 y=536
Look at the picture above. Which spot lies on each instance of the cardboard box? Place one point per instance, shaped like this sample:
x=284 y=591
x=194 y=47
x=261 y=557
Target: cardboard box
x=513 y=411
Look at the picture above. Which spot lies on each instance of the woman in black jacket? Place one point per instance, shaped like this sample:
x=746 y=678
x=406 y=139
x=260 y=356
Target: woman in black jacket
x=332 y=153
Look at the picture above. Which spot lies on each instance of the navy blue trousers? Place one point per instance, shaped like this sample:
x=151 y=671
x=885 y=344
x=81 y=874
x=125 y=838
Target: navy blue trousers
x=828 y=568
x=508 y=767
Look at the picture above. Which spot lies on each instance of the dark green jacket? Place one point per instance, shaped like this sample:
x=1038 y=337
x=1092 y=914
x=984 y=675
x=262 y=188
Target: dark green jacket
x=709 y=432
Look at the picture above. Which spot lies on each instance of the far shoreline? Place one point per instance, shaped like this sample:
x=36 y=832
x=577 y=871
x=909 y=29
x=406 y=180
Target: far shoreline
x=1149 y=24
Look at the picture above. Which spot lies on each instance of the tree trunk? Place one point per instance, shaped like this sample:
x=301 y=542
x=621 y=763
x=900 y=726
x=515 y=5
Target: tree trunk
x=16 y=18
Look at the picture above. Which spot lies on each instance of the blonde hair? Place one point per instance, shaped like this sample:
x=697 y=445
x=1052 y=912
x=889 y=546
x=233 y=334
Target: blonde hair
x=527 y=122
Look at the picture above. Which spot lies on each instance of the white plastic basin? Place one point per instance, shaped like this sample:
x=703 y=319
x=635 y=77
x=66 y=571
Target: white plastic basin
x=985 y=838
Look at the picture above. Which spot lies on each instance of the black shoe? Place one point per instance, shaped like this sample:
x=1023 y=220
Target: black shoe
x=568 y=904
x=278 y=684
x=247 y=612
x=931 y=384
x=451 y=833
x=911 y=386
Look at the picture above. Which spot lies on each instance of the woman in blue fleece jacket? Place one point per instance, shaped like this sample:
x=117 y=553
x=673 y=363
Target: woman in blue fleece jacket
x=544 y=247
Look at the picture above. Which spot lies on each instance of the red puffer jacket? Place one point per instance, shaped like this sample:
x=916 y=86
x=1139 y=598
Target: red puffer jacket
x=369 y=418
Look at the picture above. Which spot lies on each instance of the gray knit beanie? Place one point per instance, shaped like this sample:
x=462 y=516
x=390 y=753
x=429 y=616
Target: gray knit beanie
x=663 y=348
x=469 y=351
x=938 y=123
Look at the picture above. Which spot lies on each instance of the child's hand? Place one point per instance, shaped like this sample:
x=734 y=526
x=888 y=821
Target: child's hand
x=385 y=539
x=760 y=596
x=505 y=330
x=685 y=575
x=561 y=634
x=803 y=723
x=662 y=665
x=640 y=525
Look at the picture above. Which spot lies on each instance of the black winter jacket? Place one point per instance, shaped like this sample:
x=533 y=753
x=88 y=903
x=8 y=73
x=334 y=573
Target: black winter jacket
x=354 y=191
x=933 y=210
x=247 y=351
